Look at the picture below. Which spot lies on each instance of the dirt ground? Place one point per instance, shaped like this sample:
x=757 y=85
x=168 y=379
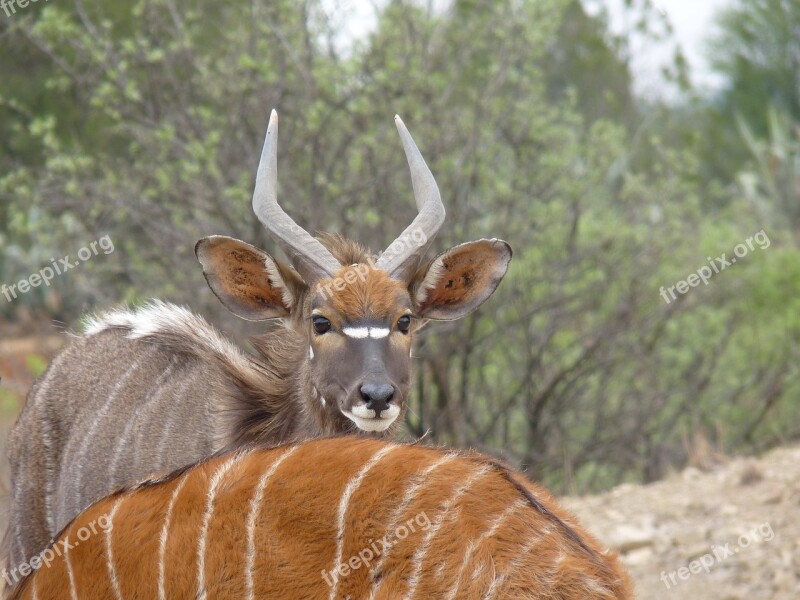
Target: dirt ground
x=732 y=533
x=728 y=533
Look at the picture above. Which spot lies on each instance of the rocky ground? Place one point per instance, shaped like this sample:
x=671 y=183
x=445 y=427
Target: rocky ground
x=730 y=533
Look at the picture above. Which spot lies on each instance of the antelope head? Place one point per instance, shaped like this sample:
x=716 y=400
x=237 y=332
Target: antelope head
x=358 y=313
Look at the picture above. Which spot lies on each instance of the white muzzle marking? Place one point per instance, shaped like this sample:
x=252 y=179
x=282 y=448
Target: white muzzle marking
x=365 y=418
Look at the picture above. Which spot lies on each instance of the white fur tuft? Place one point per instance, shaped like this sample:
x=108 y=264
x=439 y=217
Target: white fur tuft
x=156 y=319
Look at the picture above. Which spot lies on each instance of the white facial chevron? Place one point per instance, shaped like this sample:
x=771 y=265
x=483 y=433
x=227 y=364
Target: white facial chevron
x=361 y=333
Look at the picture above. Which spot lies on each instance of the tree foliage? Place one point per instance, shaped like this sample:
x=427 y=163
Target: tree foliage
x=757 y=49
x=144 y=120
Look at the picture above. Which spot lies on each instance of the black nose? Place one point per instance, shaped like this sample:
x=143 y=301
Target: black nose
x=377 y=396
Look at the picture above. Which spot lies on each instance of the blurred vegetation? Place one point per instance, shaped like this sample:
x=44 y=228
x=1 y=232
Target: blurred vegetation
x=143 y=120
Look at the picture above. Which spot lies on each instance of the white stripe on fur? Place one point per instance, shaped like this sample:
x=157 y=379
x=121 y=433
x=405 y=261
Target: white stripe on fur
x=499 y=579
x=169 y=425
x=411 y=492
x=122 y=442
x=162 y=539
x=349 y=490
x=216 y=479
x=474 y=544
x=419 y=555
x=101 y=414
x=20 y=546
x=47 y=442
x=47 y=447
x=73 y=591
x=112 y=569
x=252 y=517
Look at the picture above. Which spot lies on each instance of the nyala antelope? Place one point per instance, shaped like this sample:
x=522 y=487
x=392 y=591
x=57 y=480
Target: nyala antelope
x=329 y=519
x=157 y=388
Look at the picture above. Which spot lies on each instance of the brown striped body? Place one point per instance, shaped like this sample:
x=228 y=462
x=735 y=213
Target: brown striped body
x=394 y=521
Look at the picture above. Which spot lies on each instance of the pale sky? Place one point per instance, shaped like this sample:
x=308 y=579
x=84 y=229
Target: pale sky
x=691 y=20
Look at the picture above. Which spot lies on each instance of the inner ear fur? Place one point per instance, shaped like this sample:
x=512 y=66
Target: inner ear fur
x=248 y=281
x=459 y=280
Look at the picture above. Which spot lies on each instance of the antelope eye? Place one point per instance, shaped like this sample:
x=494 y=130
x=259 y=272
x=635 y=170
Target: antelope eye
x=321 y=325
x=404 y=324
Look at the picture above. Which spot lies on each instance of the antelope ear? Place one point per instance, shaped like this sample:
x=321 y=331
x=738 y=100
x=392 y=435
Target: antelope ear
x=248 y=281
x=458 y=281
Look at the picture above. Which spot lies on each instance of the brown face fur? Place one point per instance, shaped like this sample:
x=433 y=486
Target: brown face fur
x=366 y=346
x=358 y=323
